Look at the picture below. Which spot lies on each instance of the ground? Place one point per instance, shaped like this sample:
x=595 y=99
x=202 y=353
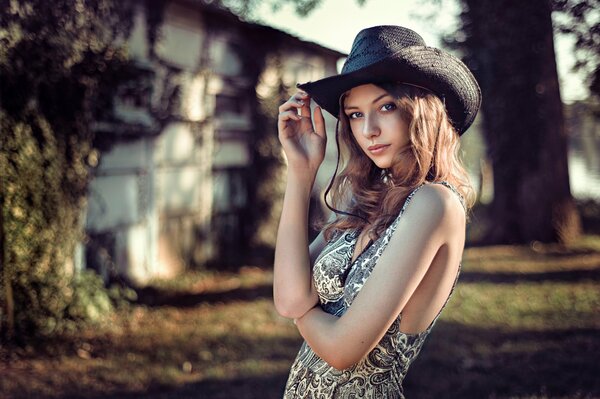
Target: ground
x=523 y=322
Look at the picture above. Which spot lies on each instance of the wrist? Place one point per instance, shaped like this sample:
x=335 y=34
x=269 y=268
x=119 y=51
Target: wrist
x=301 y=178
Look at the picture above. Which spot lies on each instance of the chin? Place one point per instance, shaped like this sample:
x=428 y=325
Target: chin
x=381 y=164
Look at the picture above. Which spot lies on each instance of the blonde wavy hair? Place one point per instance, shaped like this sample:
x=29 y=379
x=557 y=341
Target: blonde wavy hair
x=368 y=193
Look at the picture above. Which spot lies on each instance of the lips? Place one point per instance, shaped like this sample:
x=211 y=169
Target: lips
x=377 y=148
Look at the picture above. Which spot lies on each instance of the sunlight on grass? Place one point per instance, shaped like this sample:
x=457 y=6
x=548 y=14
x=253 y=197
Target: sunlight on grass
x=511 y=288
x=540 y=306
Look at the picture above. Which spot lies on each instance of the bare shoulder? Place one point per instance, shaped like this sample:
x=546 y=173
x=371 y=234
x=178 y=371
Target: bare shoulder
x=437 y=202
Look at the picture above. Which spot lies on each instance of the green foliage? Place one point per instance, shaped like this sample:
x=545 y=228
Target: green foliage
x=55 y=58
x=41 y=230
x=579 y=19
x=91 y=301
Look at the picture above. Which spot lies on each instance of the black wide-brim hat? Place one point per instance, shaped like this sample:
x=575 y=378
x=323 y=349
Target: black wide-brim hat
x=387 y=54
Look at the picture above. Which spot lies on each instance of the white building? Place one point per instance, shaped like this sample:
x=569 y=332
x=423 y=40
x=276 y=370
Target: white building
x=175 y=184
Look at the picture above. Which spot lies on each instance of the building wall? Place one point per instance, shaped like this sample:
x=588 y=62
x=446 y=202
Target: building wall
x=174 y=192
x=121 y=219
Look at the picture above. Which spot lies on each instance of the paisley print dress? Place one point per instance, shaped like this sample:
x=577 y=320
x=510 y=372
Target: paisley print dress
x=338 y=280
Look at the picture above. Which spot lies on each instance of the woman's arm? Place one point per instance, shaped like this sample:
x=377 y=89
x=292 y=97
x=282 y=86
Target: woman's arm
x=293 y=291
x=427 y=223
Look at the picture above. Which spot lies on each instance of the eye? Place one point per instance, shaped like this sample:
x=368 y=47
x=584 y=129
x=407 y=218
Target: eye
x=388 y=107
x=355 y=115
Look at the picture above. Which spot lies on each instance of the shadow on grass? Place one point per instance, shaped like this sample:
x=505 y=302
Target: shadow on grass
x=255 y=387
x=568 y=276
x=152 y=296
x=253 y=367
x=459 y=361
x=561 y=252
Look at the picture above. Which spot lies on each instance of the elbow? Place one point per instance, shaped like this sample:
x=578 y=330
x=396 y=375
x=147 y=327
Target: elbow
x=285 y=311
x=339 y=356
x=290 y=309
x=340 y=362
x=293 y=305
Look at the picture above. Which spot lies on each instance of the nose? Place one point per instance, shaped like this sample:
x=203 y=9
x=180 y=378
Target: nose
x=370 y=127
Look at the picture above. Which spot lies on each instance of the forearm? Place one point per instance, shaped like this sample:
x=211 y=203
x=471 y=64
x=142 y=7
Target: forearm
x=292 y=285
x=324 y=334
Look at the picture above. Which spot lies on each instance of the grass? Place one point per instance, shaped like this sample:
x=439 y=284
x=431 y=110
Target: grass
x=524 y=322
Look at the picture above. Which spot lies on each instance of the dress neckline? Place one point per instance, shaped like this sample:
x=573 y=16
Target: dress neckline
x=349 y=262
x=355 y=236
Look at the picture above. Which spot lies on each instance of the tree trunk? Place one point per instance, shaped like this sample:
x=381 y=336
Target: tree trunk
x=511 y=47
x=7 y=307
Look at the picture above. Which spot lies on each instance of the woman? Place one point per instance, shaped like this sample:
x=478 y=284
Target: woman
x=367 y=291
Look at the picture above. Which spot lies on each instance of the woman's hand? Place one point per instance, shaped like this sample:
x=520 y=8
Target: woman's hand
x=304 y=145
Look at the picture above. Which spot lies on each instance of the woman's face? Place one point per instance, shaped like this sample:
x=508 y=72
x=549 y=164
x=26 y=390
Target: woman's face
x=376 y=123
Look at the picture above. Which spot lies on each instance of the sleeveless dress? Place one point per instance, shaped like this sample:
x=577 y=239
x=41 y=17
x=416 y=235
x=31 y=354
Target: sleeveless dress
x=338 y=280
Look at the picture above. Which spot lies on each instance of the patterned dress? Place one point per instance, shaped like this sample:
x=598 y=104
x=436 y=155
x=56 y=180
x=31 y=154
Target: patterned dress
x=338 y=280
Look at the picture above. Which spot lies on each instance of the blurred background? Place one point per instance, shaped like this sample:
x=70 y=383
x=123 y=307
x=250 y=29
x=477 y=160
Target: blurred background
x=141 y=185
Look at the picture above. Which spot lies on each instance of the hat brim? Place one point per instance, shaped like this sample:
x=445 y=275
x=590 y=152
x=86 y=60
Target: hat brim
x=429 y=67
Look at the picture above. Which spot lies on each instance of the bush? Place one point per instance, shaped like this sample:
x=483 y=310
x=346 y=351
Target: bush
x=41 y=224
x=57 y=60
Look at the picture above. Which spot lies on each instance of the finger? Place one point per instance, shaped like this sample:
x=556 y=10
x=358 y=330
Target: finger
x=296 y=101
x=289 y=105
x=287 y=116
x=305 y=110
x=300 y=95
x=319 y=122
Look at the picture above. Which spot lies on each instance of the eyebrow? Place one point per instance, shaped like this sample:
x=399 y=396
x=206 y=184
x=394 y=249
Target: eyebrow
x=372 y=102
